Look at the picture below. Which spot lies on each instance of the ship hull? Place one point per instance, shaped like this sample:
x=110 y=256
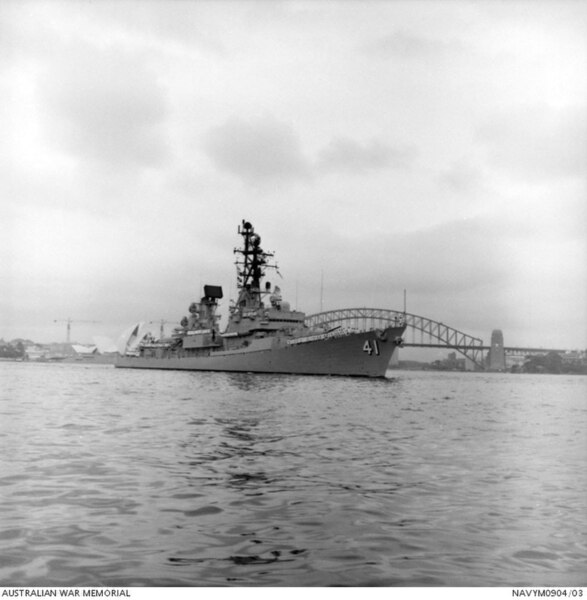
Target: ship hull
x=365 y=354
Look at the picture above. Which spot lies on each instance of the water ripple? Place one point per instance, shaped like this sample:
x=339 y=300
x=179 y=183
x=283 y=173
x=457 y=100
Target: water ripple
x=130 y=478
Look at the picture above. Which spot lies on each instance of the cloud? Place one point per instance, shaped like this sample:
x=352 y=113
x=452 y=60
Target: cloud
x=258 y=150
x=345 y=154
x=454 y=272
x=457 y=273
x=105 y=106
x=537 y=142
x=262 y=150
x=456 y=257
x=461 y=177
x=103 y=103
x=401 y=44
x=183 y=24
x=9 y=33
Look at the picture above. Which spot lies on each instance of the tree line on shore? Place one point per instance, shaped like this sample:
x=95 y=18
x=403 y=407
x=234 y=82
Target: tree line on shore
x=14 y=349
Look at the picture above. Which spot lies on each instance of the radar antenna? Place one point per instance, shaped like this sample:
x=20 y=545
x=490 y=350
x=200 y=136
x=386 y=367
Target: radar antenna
x=251 y=266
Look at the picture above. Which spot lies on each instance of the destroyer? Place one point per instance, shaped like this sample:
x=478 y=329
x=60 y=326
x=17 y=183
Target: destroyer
x=263 y=335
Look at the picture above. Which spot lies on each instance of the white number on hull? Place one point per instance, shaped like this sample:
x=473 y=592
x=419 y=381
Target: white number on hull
x=370 y=347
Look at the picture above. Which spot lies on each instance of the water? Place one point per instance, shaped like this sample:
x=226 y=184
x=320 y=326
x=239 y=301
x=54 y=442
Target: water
x=148 y=478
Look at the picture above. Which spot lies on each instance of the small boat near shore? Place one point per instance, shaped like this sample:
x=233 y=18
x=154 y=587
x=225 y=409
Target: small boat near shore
x=263 y=334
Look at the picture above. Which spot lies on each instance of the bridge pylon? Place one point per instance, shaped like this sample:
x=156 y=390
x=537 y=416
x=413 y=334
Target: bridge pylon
x=497 y=351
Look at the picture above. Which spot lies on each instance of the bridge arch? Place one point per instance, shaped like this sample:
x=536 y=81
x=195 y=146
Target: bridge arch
x=442 y=335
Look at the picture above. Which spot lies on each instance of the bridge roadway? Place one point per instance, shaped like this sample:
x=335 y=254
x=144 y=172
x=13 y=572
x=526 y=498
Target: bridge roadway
x=439 y=334
x=510 y=349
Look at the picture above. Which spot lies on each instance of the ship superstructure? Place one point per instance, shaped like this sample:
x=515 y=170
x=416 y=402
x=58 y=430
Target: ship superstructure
x=263 y=333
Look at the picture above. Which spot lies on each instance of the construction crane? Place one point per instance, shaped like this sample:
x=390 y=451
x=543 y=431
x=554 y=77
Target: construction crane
x=69 y=322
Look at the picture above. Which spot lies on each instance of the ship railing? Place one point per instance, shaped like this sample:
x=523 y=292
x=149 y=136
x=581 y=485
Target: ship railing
x=339 y=332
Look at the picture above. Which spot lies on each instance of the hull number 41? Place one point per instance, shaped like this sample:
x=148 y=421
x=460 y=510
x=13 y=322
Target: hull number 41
x=371 y=347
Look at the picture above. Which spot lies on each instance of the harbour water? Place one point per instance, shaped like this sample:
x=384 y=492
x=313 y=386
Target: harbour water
x=112 y=477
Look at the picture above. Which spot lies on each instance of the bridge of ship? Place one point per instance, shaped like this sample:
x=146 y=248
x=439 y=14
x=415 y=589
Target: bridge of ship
x=432 y=333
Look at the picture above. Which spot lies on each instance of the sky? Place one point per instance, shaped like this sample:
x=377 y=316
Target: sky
x=378 y=146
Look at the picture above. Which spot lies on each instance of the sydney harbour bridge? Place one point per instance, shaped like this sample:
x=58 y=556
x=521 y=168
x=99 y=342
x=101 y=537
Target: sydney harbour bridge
x=431 y=334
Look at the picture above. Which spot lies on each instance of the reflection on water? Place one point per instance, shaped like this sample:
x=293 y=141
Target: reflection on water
x=115 y=477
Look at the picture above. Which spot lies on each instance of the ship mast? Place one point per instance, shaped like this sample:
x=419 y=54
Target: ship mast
x=251 y=267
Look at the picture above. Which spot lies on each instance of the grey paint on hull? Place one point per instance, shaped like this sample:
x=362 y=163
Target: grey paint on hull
x=345 y=355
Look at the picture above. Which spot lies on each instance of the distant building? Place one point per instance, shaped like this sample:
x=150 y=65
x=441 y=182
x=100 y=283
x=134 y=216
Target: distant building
x=105 y=345
x=514 y=361
x=574 y=357
x=61 y=349
x=574 y=361
x=36 y=352
x=84 y=351
x=458 y=364
x=451 y=363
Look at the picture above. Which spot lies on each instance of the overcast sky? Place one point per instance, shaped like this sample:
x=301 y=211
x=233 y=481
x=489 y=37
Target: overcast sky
x=434 y=146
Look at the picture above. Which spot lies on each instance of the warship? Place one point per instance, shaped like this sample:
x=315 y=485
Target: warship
x=263 y=333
